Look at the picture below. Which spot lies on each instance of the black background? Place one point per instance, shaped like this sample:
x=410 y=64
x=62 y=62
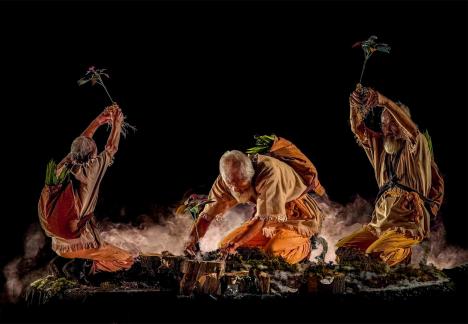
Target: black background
x=199 y=78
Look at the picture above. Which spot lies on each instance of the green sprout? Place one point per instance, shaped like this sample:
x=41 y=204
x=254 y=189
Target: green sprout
x=51 y=174
x=96 y=76
x=429 y=142
x=262 y=144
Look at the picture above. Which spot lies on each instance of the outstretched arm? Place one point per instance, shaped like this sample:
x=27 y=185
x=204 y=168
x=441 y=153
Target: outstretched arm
x=114 y=137
x=357 y=114
x=223 y=200
x=103 y=118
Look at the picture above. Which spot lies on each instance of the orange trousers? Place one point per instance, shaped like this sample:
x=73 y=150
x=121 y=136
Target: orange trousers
x=392 y=247
x=285 y=243
x=107 y=258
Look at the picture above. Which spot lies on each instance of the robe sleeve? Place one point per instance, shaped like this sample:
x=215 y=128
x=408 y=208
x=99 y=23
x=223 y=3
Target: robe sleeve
x=436 y=193
x=223 y=200
x=276 y=184
x=369 y=140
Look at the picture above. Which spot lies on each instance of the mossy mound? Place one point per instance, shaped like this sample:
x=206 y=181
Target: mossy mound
x=44 y=289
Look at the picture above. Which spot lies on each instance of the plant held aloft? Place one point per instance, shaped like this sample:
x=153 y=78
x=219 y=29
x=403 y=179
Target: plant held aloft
x=96 y=76
x=370 y=46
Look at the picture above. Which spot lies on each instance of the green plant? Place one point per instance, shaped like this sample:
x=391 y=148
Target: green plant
x=429 y=142
x=263 y=144
x=51 y=174
x=369 y=46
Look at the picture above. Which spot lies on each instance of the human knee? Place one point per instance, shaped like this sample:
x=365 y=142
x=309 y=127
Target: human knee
x=274 y=246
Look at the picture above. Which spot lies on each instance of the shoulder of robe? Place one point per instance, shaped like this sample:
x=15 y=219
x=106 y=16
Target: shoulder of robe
x=266 y=165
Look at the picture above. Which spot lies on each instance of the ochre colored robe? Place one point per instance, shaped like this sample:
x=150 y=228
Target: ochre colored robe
x=400 y=218
x=86 y=181
x=281 y=199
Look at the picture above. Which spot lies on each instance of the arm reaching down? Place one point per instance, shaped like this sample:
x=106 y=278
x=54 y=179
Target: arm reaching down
x=223 y=200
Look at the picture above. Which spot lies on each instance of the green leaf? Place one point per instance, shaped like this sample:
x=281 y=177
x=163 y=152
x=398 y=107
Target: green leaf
x=383 y=48
x=50 y=173
x=263 y=144
x=63 y=175
x=429 y=142
x=82 y=81
x=51 y=178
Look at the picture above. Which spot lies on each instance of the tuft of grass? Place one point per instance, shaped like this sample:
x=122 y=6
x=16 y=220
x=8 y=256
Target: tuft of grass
x=51 y=178
x=429 y=142
x=263 y=144
x=44 y=289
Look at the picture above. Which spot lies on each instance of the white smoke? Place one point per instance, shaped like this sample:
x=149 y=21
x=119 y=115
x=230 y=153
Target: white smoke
x=150 y=238
x=232 y=219
x=172 y=234
x=341 y=221
x=441 y=254
x=21 y=271
x=14 y=286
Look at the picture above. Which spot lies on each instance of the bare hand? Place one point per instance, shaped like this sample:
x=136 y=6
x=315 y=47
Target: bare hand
x=104 y=117
x=269 y=232
x=112 y=108
x=363 y=96
x=191 y=249
x=118 y=117
x=116 y=113
x=229 y=248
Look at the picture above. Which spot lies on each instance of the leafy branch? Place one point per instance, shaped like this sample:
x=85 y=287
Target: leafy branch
x=370 y=46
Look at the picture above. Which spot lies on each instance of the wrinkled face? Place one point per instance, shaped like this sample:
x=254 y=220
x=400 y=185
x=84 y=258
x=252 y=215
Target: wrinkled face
x=389 y=125
x=240 y=187
x=393 y=140
x=236 y=181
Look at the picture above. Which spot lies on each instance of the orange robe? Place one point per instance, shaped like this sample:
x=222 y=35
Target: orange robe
x=281 y=199
x=400 y=218
x=86 y=181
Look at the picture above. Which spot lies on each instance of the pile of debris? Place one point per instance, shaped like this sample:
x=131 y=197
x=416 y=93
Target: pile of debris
x=248 y=273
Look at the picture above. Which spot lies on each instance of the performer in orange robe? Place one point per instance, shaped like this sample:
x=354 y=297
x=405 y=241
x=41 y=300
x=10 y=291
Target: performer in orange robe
x=286 y=215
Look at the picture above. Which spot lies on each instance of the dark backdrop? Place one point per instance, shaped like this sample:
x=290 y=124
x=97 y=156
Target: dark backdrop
x=197 y=79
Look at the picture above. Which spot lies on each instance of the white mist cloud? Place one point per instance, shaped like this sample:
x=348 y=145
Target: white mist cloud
x=341 y=221
x=232 y=219
x=23 y=270
x=169 y=236
x=441 y=254
x=173 y=233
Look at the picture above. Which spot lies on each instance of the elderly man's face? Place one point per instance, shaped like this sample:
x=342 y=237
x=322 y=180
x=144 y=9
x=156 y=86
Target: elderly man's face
x=236 y=182
x=241 y=189
x=393 y=140
x=389 y=125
